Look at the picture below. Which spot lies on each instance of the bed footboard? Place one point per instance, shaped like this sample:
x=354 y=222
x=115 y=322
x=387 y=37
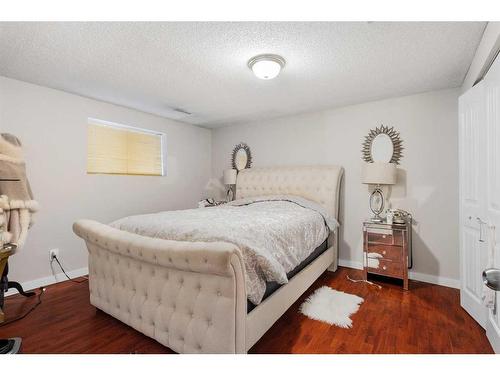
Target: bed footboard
x=189 y=296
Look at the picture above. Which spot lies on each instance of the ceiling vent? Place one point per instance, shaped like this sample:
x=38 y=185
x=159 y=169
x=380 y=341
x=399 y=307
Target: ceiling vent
x=184 y=112
x=175 y=113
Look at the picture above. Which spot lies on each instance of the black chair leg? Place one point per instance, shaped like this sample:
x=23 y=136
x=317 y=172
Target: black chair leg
x=3 y=289
x=19 y=288
x=5 y=285
x=12 y=345
x=2 y=293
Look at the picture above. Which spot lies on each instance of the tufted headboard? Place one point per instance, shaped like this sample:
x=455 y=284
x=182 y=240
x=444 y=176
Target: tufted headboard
x=319 y=183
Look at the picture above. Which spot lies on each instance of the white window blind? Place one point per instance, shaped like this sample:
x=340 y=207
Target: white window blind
x=118 y=149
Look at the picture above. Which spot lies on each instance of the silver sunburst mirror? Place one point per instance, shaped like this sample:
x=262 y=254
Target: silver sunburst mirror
x=383 y=145
x=241 y=158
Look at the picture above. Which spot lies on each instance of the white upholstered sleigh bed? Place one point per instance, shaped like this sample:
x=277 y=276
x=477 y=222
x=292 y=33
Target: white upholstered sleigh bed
x=191 y=296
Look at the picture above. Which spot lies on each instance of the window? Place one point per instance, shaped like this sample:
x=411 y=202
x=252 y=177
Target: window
x=119 y=149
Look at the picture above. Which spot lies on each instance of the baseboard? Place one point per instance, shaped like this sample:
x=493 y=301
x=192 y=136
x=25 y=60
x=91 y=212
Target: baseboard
x=493 y=333
x=351 y=264
x=432 y=279
x=438 y=280
x=49 y=280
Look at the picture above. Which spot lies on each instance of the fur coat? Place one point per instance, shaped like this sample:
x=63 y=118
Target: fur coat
x=16 y=199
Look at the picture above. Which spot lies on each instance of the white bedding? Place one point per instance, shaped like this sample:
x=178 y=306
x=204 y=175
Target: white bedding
x=274 y=233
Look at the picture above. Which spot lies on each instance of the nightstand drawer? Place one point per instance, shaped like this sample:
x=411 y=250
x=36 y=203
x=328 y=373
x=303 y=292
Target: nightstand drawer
x=394 y=253
x=385 y=267
x=389 y=237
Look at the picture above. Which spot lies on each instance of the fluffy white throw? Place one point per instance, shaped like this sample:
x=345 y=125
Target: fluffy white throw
x=331 y=306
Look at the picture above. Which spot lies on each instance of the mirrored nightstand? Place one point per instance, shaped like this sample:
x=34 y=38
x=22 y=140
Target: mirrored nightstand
x=387 y=249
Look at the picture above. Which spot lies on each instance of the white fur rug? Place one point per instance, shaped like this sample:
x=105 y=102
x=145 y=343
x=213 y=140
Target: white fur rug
x=331 y=306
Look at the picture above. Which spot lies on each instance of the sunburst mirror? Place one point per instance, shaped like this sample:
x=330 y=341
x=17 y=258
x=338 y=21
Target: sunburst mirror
x=382 y=145
x=241 y=157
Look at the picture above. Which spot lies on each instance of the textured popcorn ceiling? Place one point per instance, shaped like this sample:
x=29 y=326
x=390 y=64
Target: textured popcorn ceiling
x=202 y=67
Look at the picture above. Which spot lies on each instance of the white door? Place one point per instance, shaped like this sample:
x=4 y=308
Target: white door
x=492 y=90
x=472 y=187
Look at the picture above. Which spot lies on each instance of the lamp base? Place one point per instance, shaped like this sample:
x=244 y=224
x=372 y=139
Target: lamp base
x=10 y=346
x=376 y=219
x=230 y=194
x=377 y=201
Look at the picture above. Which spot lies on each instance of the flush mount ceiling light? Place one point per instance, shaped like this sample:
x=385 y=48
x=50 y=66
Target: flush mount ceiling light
x=266 y=66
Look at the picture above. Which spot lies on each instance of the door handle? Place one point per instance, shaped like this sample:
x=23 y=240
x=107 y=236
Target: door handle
x=481 y=223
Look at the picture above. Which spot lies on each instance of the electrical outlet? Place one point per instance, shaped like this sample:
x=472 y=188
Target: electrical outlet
x=53 y=253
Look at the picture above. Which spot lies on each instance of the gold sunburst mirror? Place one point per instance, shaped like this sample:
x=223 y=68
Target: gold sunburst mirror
x=383 y=145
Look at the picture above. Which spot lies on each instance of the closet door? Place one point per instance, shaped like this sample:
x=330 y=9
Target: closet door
x=472 y=193
x=492 y=89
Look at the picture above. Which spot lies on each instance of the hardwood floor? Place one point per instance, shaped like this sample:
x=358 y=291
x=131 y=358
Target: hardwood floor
x=426 y=319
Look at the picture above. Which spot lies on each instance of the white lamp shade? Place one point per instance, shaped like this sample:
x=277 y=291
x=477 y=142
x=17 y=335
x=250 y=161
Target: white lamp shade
x=379 y=173
x=230 y=176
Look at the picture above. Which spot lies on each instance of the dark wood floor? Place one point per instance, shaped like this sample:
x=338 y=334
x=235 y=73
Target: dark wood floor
x=426 y=319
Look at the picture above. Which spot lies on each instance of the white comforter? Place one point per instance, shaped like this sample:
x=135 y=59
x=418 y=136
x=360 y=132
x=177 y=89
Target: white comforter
x=274 y=233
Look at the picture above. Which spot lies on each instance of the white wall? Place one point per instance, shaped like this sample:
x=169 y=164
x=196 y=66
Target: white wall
x=428 y=127
x=52 y=126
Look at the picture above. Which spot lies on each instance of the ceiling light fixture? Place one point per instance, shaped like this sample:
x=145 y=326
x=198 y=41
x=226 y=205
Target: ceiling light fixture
x=266 y=66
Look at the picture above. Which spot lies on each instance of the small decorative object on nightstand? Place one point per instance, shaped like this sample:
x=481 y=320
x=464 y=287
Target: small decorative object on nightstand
x=387 y=249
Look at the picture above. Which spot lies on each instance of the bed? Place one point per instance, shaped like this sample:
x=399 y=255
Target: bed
x=192 y=296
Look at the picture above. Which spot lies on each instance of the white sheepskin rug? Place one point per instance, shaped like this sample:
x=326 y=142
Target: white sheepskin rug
x=331 y=306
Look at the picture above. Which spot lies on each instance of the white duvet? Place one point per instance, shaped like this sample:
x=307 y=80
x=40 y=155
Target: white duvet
x=274 y=233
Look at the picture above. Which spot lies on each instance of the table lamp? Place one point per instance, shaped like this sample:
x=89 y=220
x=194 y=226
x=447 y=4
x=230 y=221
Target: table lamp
x=378 y=174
